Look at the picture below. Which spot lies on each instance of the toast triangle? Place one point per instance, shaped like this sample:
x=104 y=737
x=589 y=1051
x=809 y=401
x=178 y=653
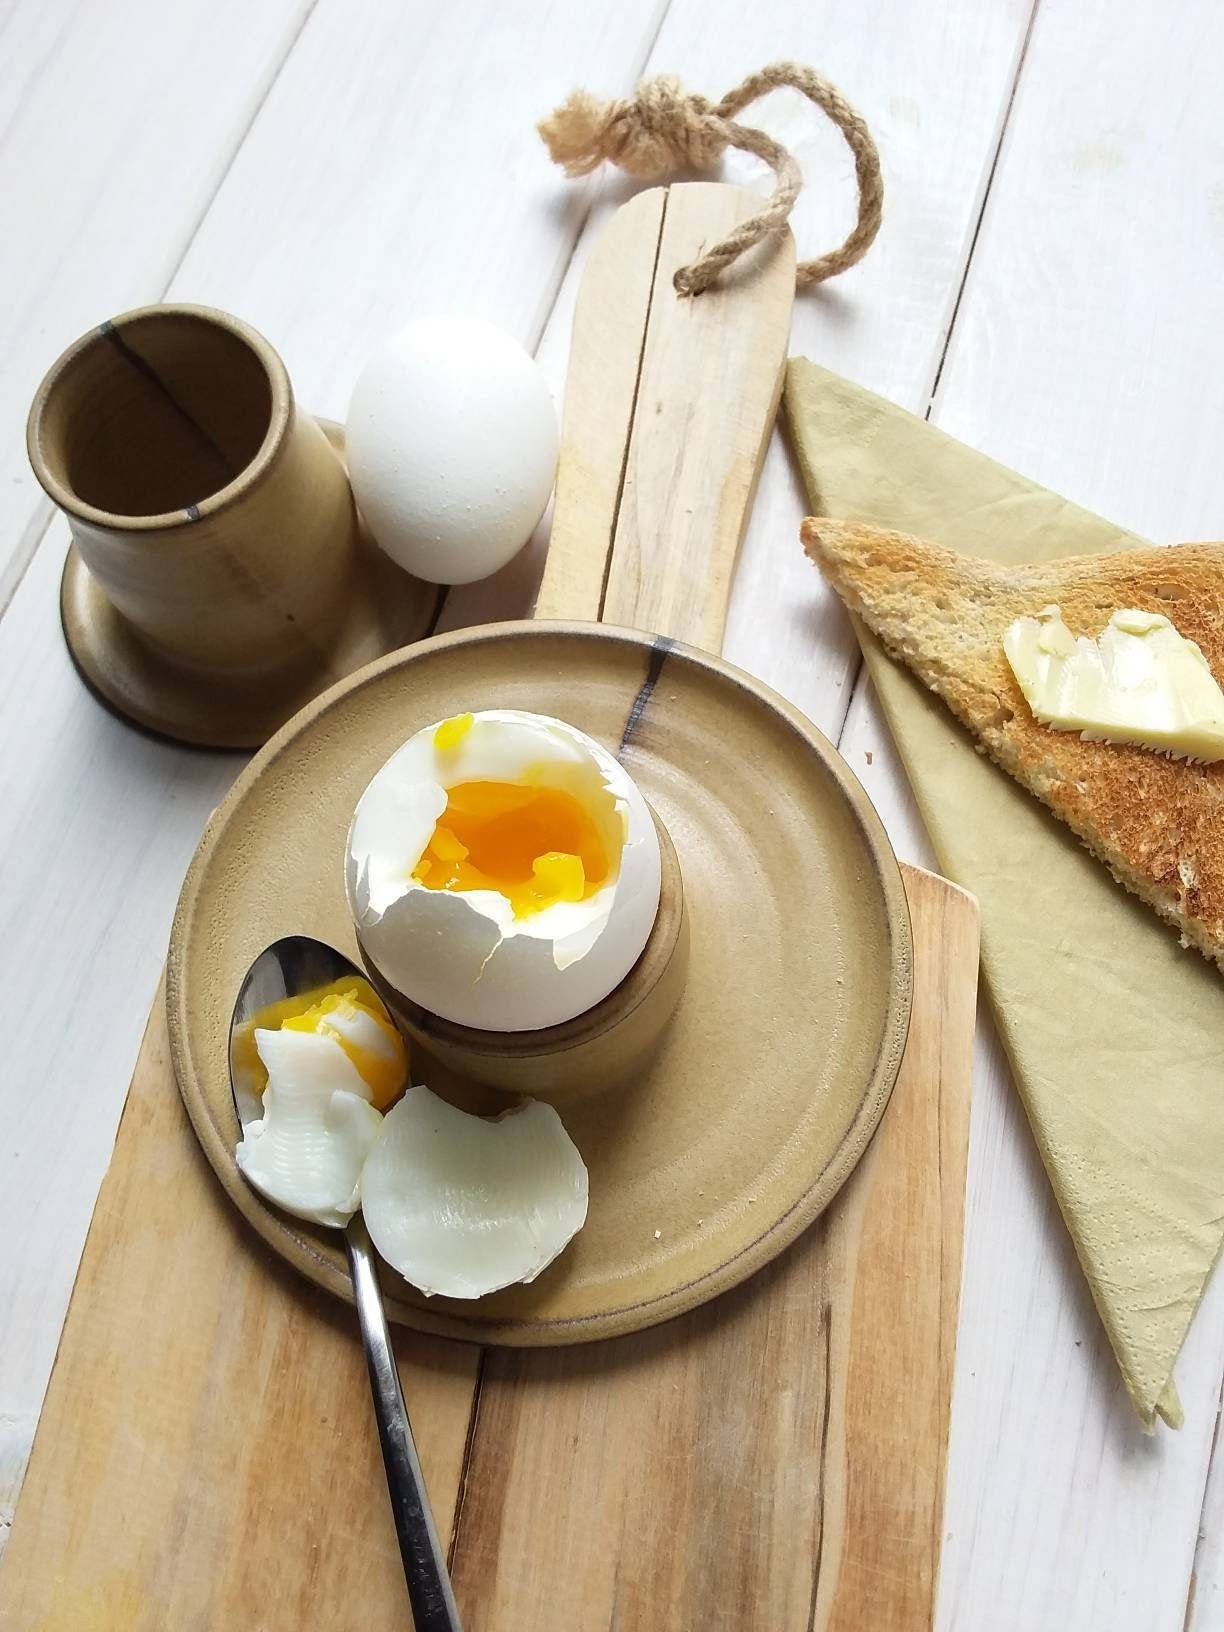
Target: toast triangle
x=1156 y=823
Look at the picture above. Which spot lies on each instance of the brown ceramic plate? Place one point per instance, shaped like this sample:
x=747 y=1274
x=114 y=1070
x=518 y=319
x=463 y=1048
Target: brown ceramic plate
x=784 y=1049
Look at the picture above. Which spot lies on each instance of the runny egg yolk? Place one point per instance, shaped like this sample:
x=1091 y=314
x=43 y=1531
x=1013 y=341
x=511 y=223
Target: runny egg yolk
x=351 y=1014
x=534 y=845
x=365 y=1034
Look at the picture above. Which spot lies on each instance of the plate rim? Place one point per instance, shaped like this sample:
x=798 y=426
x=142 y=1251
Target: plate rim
x=281 y=1234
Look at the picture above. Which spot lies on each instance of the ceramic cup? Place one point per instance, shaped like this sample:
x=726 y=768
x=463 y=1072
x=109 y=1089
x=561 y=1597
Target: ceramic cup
x=593 y=1051
x=216 y=518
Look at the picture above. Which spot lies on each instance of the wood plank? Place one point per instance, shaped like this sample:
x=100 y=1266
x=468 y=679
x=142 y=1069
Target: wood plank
x=387 y=128
x=405 y=176
x=736 y=1467
x=694 y=392
x=611 y=312
x=1074 y=363
x=906 y=1279
x=695 y=454
x=97 y=216
x=215 y=1463
x=105 y=821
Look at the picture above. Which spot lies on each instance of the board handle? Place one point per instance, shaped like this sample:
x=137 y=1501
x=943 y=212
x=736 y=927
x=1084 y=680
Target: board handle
x=669 y=403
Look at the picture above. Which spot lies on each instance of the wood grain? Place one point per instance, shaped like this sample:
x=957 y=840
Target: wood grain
x=611 y=313
x=658 y=473
x=207 y=1455
x=707 y=397
x=895 y=1238
x=776 y=1458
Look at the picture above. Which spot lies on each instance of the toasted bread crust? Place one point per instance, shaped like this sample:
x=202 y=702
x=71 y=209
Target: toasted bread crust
x=1156 y=823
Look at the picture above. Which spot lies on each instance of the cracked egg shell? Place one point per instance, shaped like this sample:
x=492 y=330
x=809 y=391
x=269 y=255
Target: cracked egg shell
x=464 y=953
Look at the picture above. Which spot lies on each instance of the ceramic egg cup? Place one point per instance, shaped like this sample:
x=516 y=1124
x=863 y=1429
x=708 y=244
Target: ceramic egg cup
x=219 y=575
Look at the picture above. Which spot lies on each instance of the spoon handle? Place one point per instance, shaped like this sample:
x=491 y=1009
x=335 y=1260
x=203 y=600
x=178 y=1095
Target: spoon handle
x=429 y=1588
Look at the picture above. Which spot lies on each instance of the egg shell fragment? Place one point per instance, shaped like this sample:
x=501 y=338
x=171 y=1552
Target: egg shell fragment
x=463 y=954
x=307 y=1150
x=462 y=1205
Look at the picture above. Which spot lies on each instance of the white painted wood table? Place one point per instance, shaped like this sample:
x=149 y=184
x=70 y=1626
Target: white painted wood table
x=1046 y=287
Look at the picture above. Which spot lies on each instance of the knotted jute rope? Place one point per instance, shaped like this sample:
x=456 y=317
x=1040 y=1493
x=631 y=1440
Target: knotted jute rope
x=663 y=127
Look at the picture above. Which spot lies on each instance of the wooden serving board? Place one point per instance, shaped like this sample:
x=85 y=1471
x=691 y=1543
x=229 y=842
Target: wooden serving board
x=206 y=1456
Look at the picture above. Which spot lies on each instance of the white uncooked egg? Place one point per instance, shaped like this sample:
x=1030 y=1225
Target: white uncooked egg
x=462 y=1206
x=451 y=442
x=503 y=871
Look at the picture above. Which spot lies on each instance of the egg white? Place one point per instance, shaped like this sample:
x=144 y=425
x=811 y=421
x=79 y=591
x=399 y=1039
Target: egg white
x=307 y=1149
x=463 y=954
x=461 y=1205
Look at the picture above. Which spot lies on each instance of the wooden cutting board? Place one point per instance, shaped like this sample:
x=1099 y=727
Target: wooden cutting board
x=206 y=1456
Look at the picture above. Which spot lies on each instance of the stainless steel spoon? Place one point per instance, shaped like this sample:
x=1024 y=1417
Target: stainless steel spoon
x=290 y=968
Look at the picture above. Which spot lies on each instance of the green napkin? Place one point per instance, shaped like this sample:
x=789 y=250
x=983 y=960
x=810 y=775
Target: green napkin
x=1115 y=1034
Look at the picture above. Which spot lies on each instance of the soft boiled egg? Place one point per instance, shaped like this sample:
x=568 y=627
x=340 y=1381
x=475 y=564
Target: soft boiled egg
x=503 y=871
x=322 y=1066
x=461 y=1205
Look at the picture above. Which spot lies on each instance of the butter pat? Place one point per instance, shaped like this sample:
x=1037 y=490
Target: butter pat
x=1140 y=682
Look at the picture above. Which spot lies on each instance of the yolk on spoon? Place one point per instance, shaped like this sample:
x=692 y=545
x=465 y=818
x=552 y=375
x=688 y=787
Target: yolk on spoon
x=379 y=1057
x=534 y=845
x=351 y=1013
